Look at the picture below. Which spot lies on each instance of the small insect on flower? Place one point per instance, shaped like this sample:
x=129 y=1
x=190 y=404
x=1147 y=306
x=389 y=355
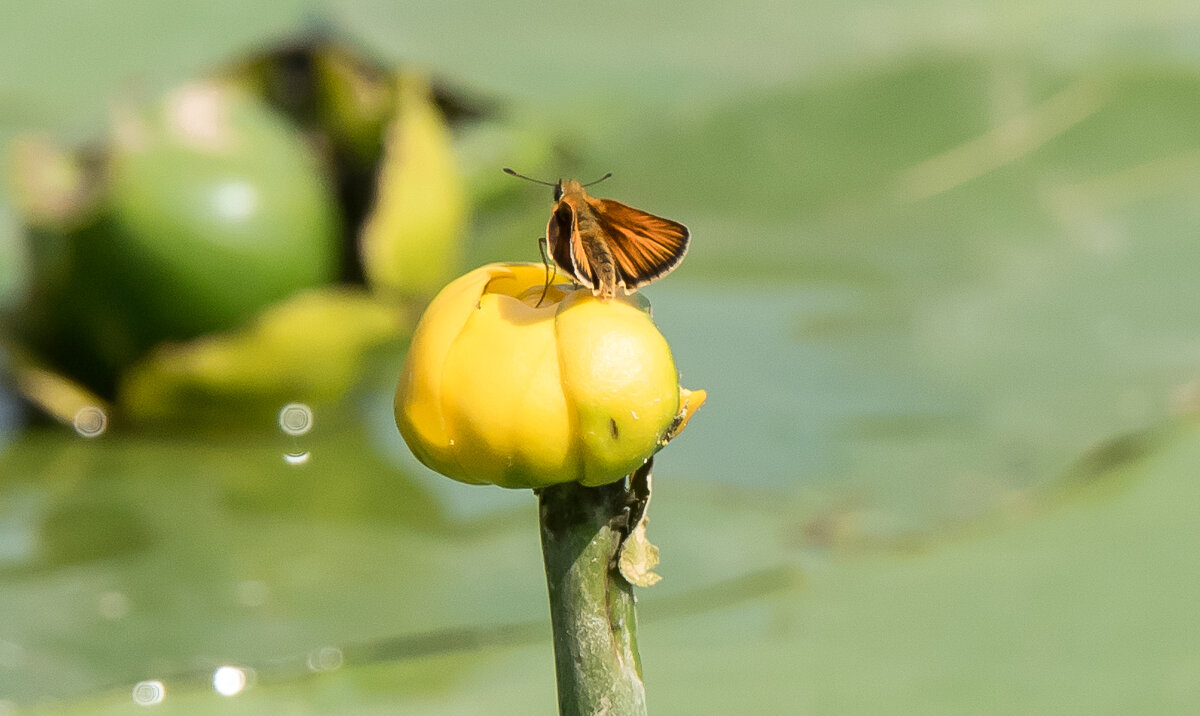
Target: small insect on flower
x=605 y=244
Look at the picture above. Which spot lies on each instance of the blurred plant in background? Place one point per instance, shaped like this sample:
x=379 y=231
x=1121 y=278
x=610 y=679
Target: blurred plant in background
x=249 y=239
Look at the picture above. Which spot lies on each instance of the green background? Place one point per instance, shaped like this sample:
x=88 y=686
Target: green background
x=943 y=295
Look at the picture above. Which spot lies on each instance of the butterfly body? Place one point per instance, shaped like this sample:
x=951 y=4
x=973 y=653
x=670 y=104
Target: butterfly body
x=607 y=245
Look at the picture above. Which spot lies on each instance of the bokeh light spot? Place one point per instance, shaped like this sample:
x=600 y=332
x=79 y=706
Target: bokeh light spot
x=229 y=680
x=296 y=419
x=327 y=658
x=149 y=693
x=296 y=458
x=90 y=421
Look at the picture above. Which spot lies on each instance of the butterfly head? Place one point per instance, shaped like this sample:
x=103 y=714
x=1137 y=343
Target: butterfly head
x=562 y=186
x=567 y=187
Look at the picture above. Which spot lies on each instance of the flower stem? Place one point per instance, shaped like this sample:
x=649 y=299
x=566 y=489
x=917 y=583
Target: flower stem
x=591 y=605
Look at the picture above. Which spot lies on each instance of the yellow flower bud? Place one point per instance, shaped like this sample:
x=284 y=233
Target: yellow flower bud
x=499 y=390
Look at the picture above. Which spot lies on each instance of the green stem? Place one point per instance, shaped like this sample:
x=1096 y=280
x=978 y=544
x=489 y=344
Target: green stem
x=591 y=605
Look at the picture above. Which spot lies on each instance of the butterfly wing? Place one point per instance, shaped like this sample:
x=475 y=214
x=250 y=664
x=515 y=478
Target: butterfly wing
x=566 y=249
x=645 y=247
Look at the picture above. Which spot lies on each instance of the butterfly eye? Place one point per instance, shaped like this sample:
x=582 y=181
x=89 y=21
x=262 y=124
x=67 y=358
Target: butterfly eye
x=558 y=191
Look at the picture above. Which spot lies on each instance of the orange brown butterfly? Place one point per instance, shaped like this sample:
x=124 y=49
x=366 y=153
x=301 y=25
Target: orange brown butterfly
x=605 y=244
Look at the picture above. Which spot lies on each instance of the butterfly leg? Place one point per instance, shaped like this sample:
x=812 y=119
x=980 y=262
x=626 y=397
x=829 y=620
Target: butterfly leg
x=546 y=263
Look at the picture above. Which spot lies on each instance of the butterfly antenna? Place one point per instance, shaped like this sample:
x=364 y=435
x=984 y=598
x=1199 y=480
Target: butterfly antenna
x=546 y=263
x=599 y=180
x=522 y=176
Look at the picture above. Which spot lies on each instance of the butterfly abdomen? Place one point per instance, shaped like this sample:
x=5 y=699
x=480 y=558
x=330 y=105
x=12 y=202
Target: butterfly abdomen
x=601 y=264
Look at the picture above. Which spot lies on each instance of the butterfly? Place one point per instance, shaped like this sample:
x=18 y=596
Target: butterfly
x=606 y=245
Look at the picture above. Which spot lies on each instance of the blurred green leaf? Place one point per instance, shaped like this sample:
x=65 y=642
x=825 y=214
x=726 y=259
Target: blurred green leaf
x=234 y=552
x=934 y=352
x=412 y=238
x=1084 y=608
x=1081 y=600
x=313 y=347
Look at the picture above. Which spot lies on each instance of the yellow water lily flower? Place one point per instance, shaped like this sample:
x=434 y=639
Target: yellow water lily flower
x=497 y=389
